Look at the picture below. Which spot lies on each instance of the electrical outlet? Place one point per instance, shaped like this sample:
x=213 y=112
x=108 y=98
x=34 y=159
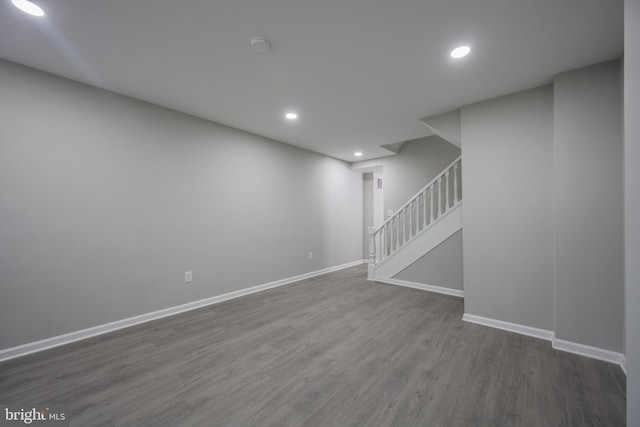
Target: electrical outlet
x=188 y=276
x=310 y=255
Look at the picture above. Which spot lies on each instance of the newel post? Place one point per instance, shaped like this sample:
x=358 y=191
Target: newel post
x=372 y=254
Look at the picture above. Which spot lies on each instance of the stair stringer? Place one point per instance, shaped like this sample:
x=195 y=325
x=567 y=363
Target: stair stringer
x=422 y=244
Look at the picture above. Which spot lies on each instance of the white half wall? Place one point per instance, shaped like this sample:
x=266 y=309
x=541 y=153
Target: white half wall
x=107 y=201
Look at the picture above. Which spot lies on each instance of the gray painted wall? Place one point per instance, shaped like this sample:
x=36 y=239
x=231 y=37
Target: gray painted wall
x=508 y=224
x=417 y=163
x=107 y=201
x=632 y=206
x=588 y=200
x=442 y=266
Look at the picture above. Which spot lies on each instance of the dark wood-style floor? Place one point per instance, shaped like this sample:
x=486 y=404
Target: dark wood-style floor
x=334 y=350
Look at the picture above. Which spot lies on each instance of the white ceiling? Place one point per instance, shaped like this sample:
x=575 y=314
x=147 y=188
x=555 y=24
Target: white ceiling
x=360 y=73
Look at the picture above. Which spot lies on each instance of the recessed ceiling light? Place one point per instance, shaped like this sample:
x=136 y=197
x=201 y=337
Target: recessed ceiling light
x=291 y=116
x=28 y=7
x=357 y=153
x=460 y=51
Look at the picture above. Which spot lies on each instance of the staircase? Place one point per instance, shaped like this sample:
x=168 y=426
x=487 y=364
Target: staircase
x=421 y=224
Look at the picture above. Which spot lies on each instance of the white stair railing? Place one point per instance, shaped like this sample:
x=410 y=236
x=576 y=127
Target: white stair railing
x=424 y=209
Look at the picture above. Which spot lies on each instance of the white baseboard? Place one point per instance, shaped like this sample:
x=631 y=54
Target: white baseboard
x=508 y=326
x=557 y=344
x=592 y=352
x=45 y=344
x=421 y=286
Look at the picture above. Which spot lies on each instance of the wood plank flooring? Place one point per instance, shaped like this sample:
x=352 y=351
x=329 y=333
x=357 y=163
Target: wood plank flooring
x=334 y=350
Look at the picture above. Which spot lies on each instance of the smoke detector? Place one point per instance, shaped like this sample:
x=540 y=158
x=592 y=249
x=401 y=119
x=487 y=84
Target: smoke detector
x=260 y=44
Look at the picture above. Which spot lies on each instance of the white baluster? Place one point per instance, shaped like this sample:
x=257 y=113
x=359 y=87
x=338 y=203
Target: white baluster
x=439 y=195
x=455 y=183
x=431 y=206
x=388 y=234
x=446 y=186
x=424 y=209
x=405 y=212
x=397 y=230
x=388 y=237
x=410 y=220
x=404 y=225
x=384 y=243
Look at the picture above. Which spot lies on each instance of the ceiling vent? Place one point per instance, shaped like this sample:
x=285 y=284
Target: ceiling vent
x=260 y=44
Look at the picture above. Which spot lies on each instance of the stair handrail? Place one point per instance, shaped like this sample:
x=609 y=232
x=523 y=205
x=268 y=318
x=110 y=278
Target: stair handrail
x=419 y=193
x=376 y=233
